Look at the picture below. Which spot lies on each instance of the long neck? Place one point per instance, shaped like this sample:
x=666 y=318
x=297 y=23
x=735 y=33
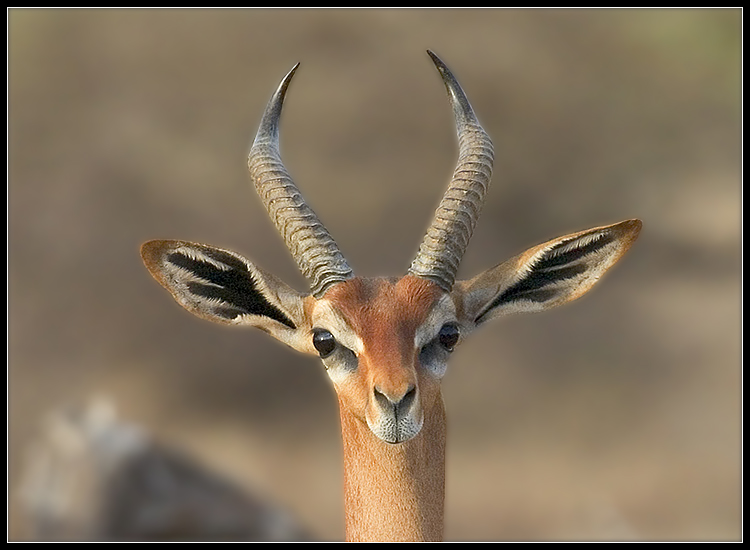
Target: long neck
x=394 y=492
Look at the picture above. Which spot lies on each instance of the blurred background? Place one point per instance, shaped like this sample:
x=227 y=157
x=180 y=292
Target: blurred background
x=615 y=417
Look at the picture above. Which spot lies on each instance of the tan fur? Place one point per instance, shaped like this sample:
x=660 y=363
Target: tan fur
x=392 y=492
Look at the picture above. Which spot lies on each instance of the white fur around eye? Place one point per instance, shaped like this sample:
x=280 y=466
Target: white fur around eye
x=325 y=316
x=443 y=313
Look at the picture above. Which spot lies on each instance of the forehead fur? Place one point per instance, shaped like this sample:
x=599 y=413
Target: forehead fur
x=368 y=304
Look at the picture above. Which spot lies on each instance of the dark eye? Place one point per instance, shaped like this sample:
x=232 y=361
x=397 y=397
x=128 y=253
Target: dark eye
x=448 y=336
x=324 y=342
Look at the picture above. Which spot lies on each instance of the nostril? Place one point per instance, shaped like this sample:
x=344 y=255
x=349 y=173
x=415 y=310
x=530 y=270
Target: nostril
x=399 y=406
x=407 y=399
x=380 y=398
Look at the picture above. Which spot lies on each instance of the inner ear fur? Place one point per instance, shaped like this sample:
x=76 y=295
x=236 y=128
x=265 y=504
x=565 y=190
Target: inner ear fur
x=547 y=275
x=224 y=287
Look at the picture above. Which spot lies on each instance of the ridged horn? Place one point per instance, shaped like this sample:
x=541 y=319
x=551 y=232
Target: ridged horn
x=445 y=242
x=312 y=247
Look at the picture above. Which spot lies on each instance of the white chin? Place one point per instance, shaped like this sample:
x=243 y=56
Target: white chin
x=396 y=431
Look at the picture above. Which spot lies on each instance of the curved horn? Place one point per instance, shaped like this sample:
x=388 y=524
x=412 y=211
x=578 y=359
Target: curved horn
x=312 y=247
x=447 y=237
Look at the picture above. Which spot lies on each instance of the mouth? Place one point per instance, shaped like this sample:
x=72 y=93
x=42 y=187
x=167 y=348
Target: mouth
x=394 y=430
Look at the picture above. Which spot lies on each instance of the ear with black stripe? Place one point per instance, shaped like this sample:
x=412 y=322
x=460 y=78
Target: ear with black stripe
x=546 y=275
x=222 y=286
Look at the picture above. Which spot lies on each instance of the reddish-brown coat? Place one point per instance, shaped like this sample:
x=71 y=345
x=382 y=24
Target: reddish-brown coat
x=392 y=492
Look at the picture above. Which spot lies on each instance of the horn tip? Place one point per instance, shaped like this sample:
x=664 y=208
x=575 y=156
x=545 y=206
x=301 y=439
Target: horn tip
x=285 y=81
x=268 y=128
x=461 y=107
x=441 y=66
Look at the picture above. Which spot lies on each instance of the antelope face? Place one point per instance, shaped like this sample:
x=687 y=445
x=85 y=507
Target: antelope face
x=385 y=343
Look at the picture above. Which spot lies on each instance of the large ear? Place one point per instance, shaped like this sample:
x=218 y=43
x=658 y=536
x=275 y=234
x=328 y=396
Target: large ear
x=546 y=275
x=222 y=286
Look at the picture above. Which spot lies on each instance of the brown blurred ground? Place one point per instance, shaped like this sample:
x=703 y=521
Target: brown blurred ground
x=615 y=417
